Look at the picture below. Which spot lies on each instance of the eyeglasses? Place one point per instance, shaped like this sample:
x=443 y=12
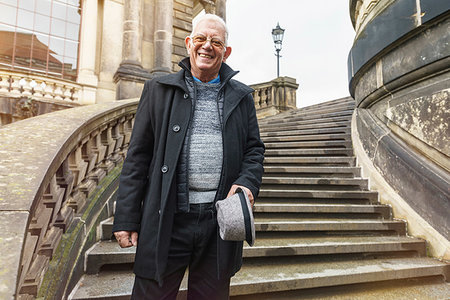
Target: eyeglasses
x=200 y=39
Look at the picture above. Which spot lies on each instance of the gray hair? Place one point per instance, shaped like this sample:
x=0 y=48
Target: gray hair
x=211 y=17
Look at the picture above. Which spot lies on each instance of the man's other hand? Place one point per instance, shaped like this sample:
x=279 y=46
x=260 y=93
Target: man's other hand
x=249 y=193
x=126 y=238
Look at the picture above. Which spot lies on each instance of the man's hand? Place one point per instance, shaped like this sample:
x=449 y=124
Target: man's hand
x=126 y=238
x=249 y=193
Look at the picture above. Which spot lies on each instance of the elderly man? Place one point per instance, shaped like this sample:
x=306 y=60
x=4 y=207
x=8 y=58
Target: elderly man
x=195 y=141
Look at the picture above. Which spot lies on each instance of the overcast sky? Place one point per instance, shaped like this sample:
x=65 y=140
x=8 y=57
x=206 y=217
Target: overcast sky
x=316 y=43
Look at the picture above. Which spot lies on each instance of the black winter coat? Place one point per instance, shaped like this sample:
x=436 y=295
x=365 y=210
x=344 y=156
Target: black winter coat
x=147 y=193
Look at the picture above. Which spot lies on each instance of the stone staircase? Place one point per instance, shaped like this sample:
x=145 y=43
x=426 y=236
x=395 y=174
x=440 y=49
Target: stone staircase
x=321 y=232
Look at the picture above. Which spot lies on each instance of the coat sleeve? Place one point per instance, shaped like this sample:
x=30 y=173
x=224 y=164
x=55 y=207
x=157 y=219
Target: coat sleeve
x=252 y=169
x=134 y=176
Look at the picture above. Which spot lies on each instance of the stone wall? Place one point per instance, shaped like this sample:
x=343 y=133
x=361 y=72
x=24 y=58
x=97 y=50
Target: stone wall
x=399 y=74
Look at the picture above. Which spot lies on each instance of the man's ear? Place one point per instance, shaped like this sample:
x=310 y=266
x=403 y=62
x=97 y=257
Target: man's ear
x=227 y=54
x=188 y=43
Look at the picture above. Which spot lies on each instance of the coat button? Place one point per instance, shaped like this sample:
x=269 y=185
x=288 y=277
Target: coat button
x=176 y=128
x=164 y=169
x=186 y=95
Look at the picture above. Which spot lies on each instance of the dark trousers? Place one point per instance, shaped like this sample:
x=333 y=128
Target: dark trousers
x=193 y=245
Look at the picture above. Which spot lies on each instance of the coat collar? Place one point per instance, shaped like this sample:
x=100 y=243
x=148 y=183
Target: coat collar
x=177 y=79
x=233 y=93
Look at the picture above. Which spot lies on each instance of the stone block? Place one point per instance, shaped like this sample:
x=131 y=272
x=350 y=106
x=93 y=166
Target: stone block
x=183 y=18
x=426 y=118
x=10 y=237
x=421 y=50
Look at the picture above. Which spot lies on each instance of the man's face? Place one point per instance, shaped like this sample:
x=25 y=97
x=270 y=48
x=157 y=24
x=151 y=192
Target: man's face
x=206 y=58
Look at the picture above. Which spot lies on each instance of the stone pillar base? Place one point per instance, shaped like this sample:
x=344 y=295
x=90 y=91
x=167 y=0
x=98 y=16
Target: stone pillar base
x=88 y=95
x=156 y=72
x=130 y=78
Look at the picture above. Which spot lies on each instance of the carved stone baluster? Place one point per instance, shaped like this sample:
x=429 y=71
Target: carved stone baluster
x=35 y=275
x=116 y=158
x=53 y=198
x=125 y=129
x=38 y=90
x=75 y=94
x=109 y=143
x=64 y=178
x=27 y=89
x=34 y=269
x=15 y=86
x=4 y=83
x=67 y=93
x=58 y=92
x=78 y=167
x=29 y=248
x=263 y=97
x=97 y=146
x=91 y=155
x=256 y=99
x=87 y=185
x=48 y=90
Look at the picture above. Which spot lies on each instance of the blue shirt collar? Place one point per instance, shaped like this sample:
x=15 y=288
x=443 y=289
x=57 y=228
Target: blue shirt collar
x=215 y=80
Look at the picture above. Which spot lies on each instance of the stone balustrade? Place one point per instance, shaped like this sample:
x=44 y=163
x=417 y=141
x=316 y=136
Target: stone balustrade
x=22 y=84
x=275 y=96
x=50 y=165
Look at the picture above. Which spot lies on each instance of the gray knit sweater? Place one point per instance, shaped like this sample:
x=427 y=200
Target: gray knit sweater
x=205 y=151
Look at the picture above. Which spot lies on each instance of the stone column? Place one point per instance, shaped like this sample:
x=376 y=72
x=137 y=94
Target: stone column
x=111 y=50
x=163 y=37
x=88 y=41
x=130 y=76
x=221 y=9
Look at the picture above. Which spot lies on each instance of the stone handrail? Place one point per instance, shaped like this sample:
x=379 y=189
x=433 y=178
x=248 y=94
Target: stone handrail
x=22 y=84
x=49 y=166
x=274 y=96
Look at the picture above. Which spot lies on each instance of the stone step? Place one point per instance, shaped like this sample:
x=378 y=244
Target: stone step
x=313 y=171
x=382 y=210
x=321 y=245
x=315 y=161
x=307 y=137
x=294 y=182
x=328 y=225
x=310 y=144
x=107 y=252
x=336 y=108
x=371 y=196
x=110 y=253
x=308 y=116
x=433 y=287
x=301 y=273
x=281 y=274
x=344 y=123
x=106 y=228
x=309 y=152
x=283 y=124
x=333 y=130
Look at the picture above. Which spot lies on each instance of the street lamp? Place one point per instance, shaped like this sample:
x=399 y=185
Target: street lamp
x=277 y=34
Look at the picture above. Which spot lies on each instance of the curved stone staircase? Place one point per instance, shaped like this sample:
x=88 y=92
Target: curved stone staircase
x=321 y=232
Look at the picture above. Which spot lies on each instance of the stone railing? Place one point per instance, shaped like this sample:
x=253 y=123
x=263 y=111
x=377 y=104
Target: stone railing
x=275 y=96
x=21 y=84
x=50 y=166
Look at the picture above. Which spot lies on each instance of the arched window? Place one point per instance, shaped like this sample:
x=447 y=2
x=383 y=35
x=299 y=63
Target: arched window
x=40 y=36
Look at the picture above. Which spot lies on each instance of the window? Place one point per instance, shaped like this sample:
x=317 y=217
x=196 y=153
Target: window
x=41 y=36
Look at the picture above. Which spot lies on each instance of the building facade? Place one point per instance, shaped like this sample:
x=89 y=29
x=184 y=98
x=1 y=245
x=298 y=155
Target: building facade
x=90 y=51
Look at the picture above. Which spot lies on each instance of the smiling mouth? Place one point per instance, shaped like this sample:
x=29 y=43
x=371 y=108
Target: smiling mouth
x=205 y=55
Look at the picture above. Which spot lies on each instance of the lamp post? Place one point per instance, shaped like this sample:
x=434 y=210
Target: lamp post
x=277 y=34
